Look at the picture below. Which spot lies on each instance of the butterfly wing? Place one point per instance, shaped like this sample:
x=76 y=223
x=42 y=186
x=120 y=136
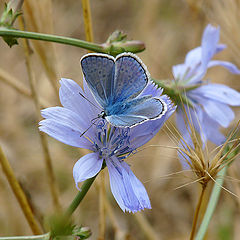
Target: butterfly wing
x=98 y=70
x=131 y=77
x=137 y=111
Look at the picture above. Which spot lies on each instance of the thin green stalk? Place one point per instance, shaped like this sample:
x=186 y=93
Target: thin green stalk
x=4 y=32
x=37 y=237
x=81 y=194
x=113 y=48
x=61 y=223
x=211 y=204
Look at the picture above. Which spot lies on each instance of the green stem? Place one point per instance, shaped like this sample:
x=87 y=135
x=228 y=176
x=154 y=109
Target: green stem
x=211 y=204
x=4 y=32
x=112 y=49
x=81 y=194
x=36 y=237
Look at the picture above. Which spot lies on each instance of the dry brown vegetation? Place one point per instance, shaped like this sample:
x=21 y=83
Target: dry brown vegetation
x=169 y=29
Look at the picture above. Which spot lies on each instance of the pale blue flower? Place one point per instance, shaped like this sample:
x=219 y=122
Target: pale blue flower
x=110 y=145
x=211 y=102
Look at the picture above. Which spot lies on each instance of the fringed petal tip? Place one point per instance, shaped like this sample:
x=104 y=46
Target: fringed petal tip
x=128 y=191
x=136 y=210
x=152 y=89
x=171 y=107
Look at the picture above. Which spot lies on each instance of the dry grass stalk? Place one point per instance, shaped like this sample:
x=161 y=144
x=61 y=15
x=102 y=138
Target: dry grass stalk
x=18 y=192
x=48 y=160
x=87 y=20
x=145 y=227
x=19 y=87
x=102 y=215
x=101 y=185
x=39 y=19
x=204 y=166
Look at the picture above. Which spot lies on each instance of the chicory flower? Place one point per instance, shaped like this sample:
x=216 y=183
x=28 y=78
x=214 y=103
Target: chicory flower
x=210 y=102
x=109 y=145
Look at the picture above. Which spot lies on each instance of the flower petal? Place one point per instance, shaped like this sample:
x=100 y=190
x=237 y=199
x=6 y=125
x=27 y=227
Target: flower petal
x=191 y=72
x=195 y=117
x=229 y=66
x=217 y=92
x=66 y=117
x=87 y=167
x=194 y=57
x=219 y=112
x=178 y=71
x=137 y=187
x=125 y=188
x=151 y=89
x=181 y=124
x=143 y=133
x=64 y=134
x=70 y=98
x=211 y=130
x=183 y=157
x=209 y=43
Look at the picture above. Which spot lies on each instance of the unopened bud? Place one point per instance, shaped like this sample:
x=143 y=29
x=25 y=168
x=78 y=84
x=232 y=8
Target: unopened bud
x=116 y=36
x=11 y=11
x=82 y=232
x=117 y=43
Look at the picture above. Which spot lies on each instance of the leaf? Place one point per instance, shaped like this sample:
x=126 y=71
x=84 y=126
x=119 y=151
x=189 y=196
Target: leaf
x=11 y=41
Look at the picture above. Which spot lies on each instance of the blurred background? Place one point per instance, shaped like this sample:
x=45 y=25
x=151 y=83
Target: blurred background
x=169 y=29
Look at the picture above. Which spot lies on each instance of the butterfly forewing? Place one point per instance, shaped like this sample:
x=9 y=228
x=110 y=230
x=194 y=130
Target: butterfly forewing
x=98 y=70
x=130 y=78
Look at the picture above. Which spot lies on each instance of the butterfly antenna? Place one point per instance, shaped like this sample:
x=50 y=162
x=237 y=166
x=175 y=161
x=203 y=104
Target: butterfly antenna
x=88 y=100
x=86 y=130
x=93 y=123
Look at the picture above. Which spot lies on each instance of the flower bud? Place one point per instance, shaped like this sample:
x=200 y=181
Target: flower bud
x=11 y=11
x=82 y=232
x=117 y=43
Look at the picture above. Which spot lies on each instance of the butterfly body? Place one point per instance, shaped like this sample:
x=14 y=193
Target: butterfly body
x=117 y=84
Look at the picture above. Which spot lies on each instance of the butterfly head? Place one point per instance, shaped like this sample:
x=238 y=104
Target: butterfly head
x=102 y=115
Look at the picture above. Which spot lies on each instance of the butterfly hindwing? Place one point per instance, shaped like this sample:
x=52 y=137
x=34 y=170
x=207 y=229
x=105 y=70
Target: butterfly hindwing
x=98 y=70
x=137 y=111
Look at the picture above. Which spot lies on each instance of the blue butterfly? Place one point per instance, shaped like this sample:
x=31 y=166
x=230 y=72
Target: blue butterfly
x=116 y=84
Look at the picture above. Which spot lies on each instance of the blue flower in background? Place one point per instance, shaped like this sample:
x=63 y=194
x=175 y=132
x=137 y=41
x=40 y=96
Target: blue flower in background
x=108 y=144
x=210 y=102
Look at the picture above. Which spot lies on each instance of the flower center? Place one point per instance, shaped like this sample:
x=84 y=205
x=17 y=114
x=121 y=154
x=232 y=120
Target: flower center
x=111 y=140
